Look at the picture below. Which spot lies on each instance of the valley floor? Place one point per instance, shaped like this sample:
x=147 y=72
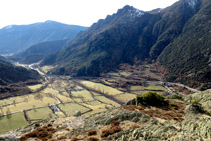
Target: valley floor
x=62 y=96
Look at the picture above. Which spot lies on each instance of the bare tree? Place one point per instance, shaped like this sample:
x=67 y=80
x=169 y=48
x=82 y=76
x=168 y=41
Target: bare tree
x=1 y=108
x=14 y=102
x=50 y=115
x=25 y=100
x=8 y=113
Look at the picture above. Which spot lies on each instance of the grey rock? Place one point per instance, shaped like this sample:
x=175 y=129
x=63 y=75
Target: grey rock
x=194 y=109
x=9 y=139
x=77 y=113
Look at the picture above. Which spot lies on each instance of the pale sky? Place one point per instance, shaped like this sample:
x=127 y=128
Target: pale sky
x=75 y=12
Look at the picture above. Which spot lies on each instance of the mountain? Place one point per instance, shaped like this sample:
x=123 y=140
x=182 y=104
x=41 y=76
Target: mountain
x=37 y=52
x=188 y=57
x=13 y=74
x=175 y=37
x=14 y=38
x=106 y=44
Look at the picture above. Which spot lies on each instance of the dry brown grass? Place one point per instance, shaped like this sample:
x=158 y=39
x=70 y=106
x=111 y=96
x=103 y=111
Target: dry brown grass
x=92 y=138
x=113 y=128
x=54 y=140
x=75 y=139
x=62 y=137
x=115 y=123
x=92 y=132
x=110 y=131
x=43 y=133
x=166 y=112
x=134 y=126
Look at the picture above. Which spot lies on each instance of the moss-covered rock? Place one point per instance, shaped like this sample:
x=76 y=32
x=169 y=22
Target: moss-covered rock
x=204 y=98
x=194 y=109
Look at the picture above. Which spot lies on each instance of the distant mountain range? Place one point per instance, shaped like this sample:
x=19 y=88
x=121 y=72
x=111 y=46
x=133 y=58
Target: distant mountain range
x=178 y=37
x=15 y=38
x=37 y=52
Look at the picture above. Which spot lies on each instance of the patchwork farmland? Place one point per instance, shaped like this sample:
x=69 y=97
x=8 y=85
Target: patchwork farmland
x=61 y=96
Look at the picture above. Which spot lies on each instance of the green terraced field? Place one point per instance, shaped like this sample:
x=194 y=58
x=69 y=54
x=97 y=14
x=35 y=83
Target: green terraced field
x=153 y=87
x=100 y=87
x=86 y=95
x=108 y=101
x=13 y=122
x=125 y=97
x=70 y=108
x=41 y=113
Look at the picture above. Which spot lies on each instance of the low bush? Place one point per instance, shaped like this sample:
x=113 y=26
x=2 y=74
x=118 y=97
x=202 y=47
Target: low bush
x=110 y=131
x=114 y=128
x=151 y=98
x=43 y=133
x=62 y=137
x=208 y=112
x=134 y=126
x=196 y=102
x=92 y=132
x=37 y=124
x=115 y=123
x=175 y=96
x=175 y=106
x=75 y=139
x=92 y=139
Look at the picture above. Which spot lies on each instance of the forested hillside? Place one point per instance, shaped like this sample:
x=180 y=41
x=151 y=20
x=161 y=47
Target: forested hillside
x=177 y=37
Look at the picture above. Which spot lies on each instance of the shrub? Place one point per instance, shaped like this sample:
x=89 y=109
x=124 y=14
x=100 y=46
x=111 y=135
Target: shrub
x=208 y=112
x=42 y=133
x=152 y=98
x=111 y=131
x=134 y=126
x=114 y=128
x=115 y=123
x=175 y=96
x=37 y=124
x=139 y=98
x=196 y=102
x=92 y=139
x=92 y=132
x=75 y=139
x=50 y=125
x=62 y=137
x=175 y=106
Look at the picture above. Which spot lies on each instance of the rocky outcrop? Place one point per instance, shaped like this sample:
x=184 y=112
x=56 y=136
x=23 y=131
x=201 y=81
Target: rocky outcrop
x=194 y=109
x=204 y=98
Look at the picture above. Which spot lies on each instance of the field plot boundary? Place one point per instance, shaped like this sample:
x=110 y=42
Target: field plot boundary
x=61 y=106
x=101 y=93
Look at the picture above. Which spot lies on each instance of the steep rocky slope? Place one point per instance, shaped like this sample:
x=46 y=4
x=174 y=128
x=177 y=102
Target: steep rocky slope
x=188 y=57
x=106 y=44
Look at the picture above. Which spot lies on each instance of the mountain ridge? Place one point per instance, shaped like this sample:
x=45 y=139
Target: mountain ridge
x=124 y=38
x=23 y=36
x=14 y=74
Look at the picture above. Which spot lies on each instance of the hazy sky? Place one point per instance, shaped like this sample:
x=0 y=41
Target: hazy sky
x=76 y=12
